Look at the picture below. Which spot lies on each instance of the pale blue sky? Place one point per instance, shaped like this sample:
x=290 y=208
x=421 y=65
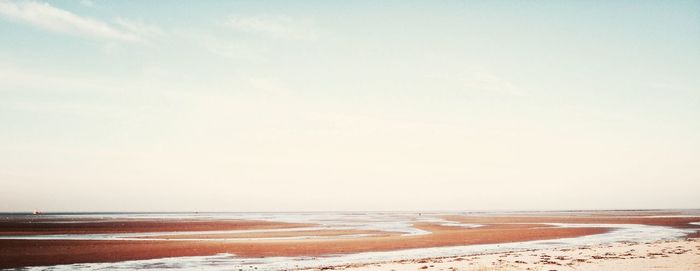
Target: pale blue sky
x=329 y=105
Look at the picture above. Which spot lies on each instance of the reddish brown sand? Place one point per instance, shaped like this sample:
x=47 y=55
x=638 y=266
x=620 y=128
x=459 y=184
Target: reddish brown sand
x=696 y=234
x=53 y=226
x=497 y=229
x=678 y=222
x=325 y=233
x=17 y=253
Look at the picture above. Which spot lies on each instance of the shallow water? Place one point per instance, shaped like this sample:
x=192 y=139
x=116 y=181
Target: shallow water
x=385 y=222
x=395 y=222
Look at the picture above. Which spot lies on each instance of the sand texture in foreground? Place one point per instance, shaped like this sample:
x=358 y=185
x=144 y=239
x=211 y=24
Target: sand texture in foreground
x=661 y=255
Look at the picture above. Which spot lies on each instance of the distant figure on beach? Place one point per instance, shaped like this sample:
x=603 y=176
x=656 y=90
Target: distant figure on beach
x=36 y=212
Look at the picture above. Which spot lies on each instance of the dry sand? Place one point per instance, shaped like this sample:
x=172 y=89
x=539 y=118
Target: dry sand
x=662 y=255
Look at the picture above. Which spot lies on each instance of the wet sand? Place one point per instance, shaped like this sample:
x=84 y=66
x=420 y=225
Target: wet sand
x=670 y=221
x=495 y=229
x=38 y=225
x=282 y=234
x=17 y=253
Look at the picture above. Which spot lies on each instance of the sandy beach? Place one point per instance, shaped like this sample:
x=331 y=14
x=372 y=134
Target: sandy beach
x=56 y=240
x=16 y=253
x=662 y=255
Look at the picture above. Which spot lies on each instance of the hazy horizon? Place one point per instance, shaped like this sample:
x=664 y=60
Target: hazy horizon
x=358 y=106
x=423 y=212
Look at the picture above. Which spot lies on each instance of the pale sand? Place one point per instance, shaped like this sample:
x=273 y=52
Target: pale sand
x=662 y=255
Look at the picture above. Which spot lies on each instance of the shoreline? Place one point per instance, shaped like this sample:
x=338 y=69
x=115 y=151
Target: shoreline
x=117 y=240
x=683 y=254
x=19 y=253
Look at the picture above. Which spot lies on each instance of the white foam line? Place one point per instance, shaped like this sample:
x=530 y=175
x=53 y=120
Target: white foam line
x=376 y=222
x=620 y=232
x=139 y=235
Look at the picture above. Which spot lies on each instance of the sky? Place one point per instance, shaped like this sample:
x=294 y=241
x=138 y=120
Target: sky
x=349 y=105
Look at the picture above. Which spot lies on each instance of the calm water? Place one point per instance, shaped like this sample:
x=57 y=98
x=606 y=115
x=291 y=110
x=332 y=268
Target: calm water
x=384 y=221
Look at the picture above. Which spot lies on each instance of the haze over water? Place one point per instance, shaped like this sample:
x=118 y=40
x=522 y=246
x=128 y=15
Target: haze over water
x=312 y=106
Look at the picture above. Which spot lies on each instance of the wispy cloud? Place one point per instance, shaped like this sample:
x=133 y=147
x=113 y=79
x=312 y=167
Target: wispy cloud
x=484 y=81
x=279 y=27
x=224 y=47
x=48 y=17
x=140 y=28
